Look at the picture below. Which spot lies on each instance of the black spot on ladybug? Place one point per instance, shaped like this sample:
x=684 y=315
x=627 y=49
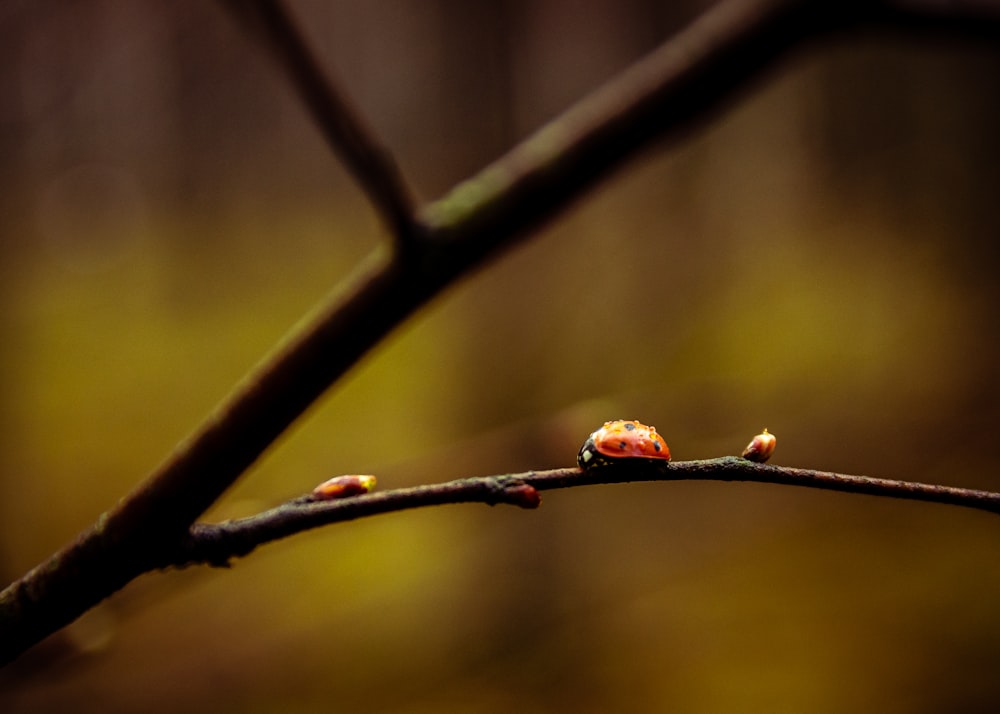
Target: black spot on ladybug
x=656 y=445
x=629 y=427
x=622 y=445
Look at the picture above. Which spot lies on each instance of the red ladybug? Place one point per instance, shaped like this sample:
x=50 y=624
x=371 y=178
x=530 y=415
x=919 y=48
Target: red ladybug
x=622 y=440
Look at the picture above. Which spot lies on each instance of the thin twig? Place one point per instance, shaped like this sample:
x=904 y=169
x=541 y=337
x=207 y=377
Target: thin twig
x=217 y=544
x=349 y=136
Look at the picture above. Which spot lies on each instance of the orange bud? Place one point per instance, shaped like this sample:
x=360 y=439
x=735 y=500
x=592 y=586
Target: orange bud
x=344 y=487
x=761 y=448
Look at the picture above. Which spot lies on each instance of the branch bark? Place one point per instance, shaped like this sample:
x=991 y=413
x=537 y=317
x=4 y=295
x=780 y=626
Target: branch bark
x=218 y=544
x=679 y=86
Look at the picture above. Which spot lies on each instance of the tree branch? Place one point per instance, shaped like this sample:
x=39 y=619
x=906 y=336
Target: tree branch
x=680 y=85
x=371 y=164
x=217 y=544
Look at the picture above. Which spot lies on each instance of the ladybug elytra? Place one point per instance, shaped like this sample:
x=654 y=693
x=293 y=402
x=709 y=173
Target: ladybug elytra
x=622 y=439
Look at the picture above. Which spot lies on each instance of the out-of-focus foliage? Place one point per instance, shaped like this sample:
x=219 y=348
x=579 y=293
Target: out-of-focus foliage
x=820 y=262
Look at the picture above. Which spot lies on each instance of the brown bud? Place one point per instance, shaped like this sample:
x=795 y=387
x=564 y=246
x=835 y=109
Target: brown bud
x=760 y=448
x=344 y=487
x=524 y=495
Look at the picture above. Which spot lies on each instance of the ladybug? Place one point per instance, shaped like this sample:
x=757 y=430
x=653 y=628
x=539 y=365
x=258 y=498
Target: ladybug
x=622 y=439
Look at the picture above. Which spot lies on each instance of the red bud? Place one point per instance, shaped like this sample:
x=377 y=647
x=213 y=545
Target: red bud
x=761 y=448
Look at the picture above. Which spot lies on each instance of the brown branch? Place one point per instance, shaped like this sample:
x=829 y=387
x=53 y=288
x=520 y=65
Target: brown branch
x=371 y=164
x=217 y=544
x=682 y=84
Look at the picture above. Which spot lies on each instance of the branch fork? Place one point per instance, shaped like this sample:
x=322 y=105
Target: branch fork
x=661 y=98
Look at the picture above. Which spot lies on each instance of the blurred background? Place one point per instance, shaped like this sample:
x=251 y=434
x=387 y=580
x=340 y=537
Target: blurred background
x=820 y=261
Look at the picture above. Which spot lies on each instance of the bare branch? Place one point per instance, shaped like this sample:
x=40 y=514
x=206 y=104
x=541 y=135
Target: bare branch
x=217 y=544
x=680 y=85
x=346 y=132
x=685 y=79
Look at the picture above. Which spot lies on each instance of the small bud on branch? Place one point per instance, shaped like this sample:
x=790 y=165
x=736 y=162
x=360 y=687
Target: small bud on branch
x=760 y=448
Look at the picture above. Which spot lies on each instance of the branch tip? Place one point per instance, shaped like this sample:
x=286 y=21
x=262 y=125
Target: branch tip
x=365 y=157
